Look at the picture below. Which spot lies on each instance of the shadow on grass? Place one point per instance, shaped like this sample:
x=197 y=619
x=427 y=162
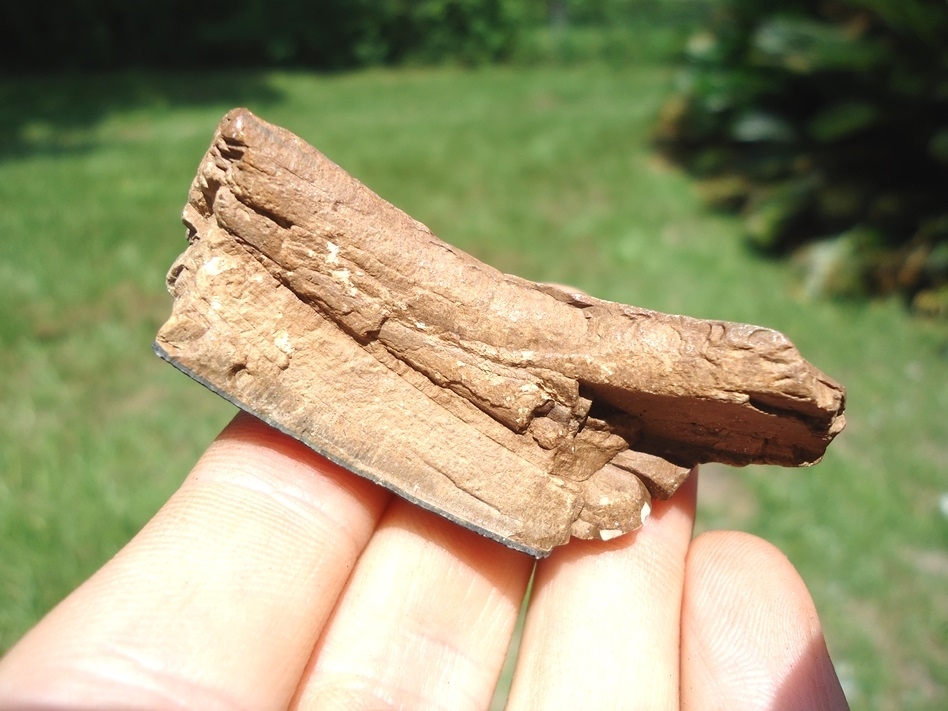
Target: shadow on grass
x=52 y=113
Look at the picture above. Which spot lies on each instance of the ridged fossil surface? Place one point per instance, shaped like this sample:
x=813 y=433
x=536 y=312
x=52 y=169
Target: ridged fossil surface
x=524 y=411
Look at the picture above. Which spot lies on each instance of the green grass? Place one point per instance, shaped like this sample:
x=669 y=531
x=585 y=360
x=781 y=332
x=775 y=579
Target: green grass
x=544 y=172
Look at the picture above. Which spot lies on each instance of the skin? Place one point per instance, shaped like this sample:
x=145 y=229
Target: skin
x=274 y=579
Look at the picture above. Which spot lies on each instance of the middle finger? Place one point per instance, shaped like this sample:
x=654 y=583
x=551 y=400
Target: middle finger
x=424 y=622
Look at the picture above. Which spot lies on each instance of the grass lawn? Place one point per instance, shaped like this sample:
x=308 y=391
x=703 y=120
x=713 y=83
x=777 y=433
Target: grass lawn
x=543 y=172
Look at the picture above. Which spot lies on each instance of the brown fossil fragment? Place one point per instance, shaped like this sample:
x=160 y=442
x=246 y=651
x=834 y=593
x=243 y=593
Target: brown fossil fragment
x=524 y=411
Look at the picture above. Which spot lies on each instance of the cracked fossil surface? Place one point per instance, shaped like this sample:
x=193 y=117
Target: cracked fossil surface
x=525 y=411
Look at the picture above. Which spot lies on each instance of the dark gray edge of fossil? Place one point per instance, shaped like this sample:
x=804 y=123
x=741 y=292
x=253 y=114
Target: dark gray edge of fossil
x=350 y=466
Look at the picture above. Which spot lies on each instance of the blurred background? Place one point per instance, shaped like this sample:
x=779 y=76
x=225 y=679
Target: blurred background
x=778 y=163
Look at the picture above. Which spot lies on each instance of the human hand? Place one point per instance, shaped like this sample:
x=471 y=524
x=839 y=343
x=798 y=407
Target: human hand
x=274 y=579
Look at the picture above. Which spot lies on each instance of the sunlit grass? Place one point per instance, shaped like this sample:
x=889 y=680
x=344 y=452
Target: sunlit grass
x=542 y=172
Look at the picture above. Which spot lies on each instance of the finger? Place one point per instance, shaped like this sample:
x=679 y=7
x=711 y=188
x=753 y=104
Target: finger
x=602 y=629
x=218 y=601
x=425 y=620
x=751 y=637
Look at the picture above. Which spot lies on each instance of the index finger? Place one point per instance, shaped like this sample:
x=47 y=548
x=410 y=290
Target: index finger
x=219 y=600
